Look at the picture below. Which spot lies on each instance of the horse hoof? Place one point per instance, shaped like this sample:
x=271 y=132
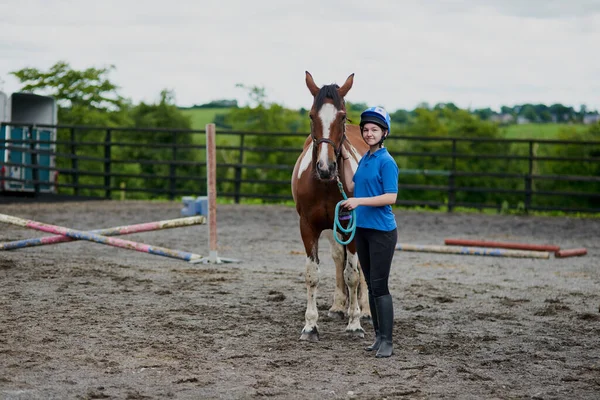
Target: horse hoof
x=336 y=315
x=359 y=333
x=312 y=336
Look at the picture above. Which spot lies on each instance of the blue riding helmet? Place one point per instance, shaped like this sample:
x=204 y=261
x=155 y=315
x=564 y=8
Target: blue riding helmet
x=376 y=115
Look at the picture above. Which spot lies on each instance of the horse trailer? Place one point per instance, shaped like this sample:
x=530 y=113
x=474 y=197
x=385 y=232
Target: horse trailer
x=27 y=154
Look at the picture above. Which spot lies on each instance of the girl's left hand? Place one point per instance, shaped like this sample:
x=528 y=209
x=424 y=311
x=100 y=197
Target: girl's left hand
x=351 y=203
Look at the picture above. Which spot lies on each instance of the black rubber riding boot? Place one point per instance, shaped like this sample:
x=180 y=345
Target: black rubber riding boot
x=375 y=345
x=385 y=318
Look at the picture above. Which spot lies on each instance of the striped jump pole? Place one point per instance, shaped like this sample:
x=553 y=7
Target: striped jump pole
x=472 y=251
x=94 y=237
x=116 y=231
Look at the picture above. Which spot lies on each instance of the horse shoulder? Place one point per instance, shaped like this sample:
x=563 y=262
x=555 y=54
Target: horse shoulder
x=302 y=168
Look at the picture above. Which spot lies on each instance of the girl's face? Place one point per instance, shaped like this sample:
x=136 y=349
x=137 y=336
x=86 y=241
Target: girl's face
x=372 y=134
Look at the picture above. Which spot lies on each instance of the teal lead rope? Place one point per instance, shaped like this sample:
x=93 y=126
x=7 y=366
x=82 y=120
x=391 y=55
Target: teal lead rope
x=351 y=217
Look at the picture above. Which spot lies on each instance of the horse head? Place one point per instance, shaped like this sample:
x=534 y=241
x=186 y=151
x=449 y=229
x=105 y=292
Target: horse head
x=328 y=125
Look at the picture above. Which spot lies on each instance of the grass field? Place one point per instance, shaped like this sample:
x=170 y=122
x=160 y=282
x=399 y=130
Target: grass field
x=539 y=131
x=202 y=116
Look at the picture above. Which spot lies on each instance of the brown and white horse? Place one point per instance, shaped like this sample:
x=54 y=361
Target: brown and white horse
x=316 y=193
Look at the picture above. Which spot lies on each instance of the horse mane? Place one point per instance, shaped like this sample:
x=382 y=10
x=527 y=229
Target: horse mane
x=329 y=92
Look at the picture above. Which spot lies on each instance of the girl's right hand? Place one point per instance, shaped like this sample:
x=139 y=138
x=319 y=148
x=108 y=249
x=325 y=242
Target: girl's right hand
x=345 y=153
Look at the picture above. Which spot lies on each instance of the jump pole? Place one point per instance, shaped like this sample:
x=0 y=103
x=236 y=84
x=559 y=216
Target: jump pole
x=116 y=231
x=211 y=185
x=571 y=253
x=504 y=245
x=94 y=237
x=472 y=251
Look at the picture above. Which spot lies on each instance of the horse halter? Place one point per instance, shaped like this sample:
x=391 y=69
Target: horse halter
x=336 y=150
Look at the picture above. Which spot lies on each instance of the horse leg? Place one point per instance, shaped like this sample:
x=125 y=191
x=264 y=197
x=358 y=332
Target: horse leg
x=310 y=331
x=347 y=270
x=340 y=297
x=363 y=290
x=352 y=277
x=363 y=297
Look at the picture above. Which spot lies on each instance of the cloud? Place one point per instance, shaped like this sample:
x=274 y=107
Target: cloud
x=542 y=9
x=473 y=53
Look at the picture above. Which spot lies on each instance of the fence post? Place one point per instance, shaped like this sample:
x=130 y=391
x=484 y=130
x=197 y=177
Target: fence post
x=35 y=173
x=238 y=171
x=173 y=168
x=74 y=164
x=107 y=163
x=528 y=178
x=451 y=179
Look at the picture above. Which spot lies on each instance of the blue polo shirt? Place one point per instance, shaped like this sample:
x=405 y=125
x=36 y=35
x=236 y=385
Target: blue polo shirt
x=377 y=174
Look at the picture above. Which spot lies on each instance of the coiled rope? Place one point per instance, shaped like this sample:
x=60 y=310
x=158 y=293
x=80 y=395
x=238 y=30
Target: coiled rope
x=351 y=229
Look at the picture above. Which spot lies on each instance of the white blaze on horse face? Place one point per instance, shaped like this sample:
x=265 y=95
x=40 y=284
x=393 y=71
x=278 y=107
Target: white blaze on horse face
x=306 y=160
x=327 y=113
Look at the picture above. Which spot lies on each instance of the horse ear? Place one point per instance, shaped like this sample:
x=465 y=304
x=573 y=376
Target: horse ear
x=346 y=86
x=310 y=83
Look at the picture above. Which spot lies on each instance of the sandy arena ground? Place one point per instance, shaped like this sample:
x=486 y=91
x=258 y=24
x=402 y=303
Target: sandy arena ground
x=85 y=321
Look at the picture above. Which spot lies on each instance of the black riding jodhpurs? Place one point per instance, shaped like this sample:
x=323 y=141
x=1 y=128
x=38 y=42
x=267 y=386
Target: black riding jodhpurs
x=375 y=252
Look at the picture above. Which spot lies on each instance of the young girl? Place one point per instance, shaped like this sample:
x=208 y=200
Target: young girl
x=375 y=187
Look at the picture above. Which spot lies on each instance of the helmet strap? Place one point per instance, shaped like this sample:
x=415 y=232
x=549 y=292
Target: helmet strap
x=383 y=138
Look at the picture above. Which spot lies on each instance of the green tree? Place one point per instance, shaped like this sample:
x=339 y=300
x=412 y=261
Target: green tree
x=562 y=113
x=561 y=165
x=89 y=98
x=85 y=97
x=400 y=116
x=265 y=117
x=358 y=107
x=445 y=106
x=256 y=94
x=436 y=156
x=163 y=114
x=261 y=116
x=484 y=113
x=528 y=111
x=222 y=103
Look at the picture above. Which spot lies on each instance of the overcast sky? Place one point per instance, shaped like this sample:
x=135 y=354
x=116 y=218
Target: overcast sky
x=475 y=53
